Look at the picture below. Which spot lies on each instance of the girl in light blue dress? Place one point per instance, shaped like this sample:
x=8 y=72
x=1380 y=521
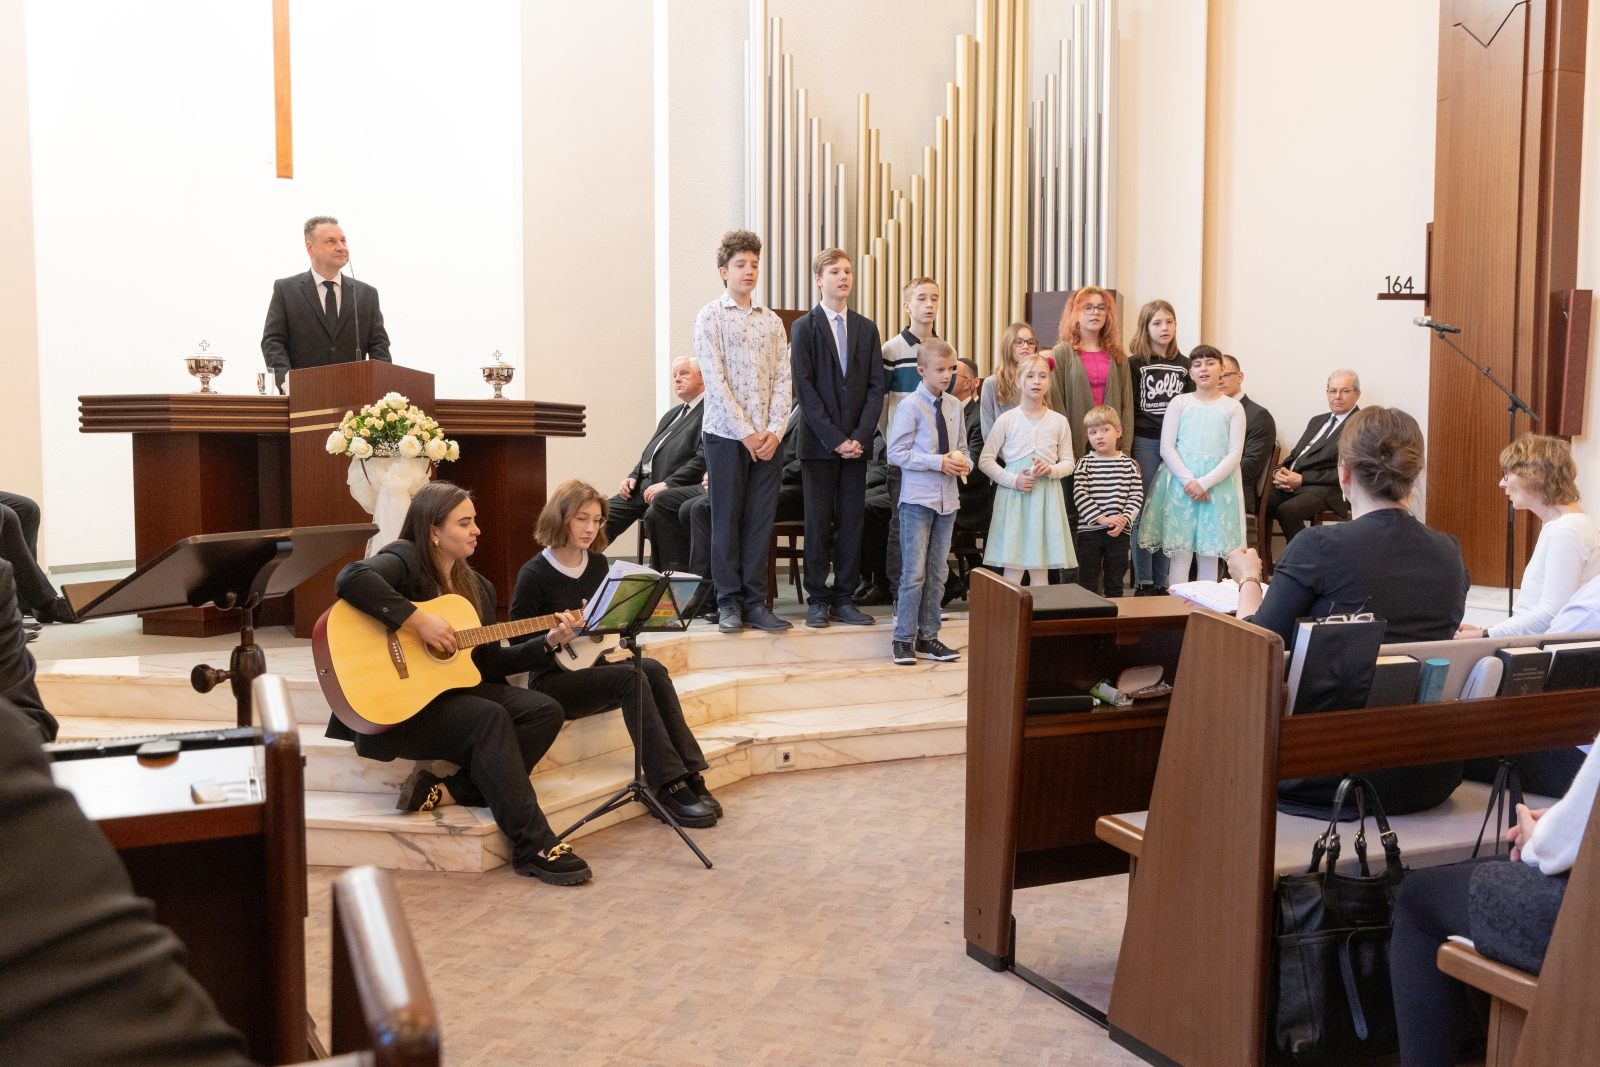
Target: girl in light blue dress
x=1196 y=508
x=1027 y=453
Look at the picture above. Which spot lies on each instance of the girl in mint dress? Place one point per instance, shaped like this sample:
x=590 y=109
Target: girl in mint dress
x=1027 y=453
x=1196 y=508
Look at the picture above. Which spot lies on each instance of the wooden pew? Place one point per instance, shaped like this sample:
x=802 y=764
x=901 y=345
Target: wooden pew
x=1554 y=1019
x=1191 y=979
x=1037 y=783
x=229 y=879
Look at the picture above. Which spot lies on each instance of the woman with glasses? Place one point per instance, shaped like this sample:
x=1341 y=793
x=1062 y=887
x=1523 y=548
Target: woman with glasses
x=1160 y=375
x=1382 y=561
x=1091 y=367
x=1002 y=390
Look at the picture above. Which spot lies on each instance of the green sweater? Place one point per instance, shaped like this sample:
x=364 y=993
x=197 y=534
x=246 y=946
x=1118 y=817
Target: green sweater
x=1070 y=394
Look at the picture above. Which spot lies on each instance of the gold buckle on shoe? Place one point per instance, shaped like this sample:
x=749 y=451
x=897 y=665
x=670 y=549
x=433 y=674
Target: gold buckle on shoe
x=435 y=794
x=557 y=852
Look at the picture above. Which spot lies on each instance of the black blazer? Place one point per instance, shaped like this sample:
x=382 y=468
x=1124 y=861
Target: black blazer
x=297 y=335
x=1260 y=434
x=837 y=408
x=16 y=662
x=681 y=459
x=1321 y=464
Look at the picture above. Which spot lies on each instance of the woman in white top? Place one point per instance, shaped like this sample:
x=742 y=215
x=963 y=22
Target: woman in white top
x=1538 y=474
x=1431 y=1008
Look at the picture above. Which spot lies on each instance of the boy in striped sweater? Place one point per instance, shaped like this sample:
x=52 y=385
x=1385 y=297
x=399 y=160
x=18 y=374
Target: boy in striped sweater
x=1108 y=493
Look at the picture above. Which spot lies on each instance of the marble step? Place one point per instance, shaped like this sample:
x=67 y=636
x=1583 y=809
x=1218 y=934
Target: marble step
x=344 y=829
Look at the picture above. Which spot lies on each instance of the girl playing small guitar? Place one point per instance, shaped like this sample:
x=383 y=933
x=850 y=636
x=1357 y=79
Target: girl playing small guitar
x=562 y=578
x=494 y=732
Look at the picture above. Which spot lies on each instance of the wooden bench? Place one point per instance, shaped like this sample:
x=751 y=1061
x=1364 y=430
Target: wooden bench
x=1191 y=978
x=1037 y=783
x=1554 y=1019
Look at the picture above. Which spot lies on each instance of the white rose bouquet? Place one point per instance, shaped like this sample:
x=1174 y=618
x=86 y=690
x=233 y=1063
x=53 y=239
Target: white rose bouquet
x=391 y=427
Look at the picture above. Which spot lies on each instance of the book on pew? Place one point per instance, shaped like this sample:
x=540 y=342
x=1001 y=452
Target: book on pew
x=1394 y=681
x=1333 y=663
x=1057 y=704
x=1069 y=601
x=1430 y=687
x=1573 y=665
x=1525 y=670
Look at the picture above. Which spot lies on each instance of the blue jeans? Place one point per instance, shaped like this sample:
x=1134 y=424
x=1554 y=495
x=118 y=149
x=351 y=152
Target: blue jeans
x=1149 y=568
x=924 y=566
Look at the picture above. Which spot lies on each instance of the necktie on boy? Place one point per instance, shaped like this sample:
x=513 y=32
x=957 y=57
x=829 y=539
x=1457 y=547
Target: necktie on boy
x=938 y=421
x=838 y=342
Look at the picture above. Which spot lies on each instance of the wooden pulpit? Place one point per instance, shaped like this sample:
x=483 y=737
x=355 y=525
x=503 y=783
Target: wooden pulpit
x=215 y=463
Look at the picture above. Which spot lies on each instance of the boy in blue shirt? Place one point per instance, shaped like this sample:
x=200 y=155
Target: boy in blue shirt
x=928 y=443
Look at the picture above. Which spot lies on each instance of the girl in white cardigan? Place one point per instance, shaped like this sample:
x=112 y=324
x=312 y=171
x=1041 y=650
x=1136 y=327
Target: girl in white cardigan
x=1027 y=453
x=1539 y=475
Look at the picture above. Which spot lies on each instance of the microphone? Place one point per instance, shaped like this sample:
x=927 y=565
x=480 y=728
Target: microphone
x=1423 y=320
x=355 y=309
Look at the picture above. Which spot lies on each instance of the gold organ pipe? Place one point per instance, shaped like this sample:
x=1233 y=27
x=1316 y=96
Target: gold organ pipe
x=771 y=276
x=880 y=264
x=1019 y=175
x=891 y=242
x=965 y=76
x=781 y=259
x=874 y=188
x=863 y=173
x=838 y=204
x=815 y=206
x=952 y=216
x=930 y=210
x=983 y=180
x=863 y=291
x=936 y=203
x=999 y=291
x=914 y=233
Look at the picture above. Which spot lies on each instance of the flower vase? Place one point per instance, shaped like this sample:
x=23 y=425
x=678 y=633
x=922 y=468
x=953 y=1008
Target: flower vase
x=384 y=486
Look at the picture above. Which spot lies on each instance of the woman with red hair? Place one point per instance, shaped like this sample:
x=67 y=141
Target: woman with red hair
x=1091 y=368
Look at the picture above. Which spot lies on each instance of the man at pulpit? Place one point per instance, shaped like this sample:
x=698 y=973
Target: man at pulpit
x=322 y=316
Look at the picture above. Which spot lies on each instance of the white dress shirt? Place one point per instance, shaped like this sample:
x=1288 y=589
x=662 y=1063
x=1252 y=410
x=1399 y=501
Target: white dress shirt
x=322 y=291
x=839 y=326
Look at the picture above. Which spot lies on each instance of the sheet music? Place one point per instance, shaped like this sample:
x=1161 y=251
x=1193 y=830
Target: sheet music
x=1220 y=596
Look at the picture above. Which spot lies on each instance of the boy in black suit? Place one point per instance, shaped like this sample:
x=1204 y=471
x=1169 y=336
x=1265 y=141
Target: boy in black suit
x=668 y=473
x=837 y=368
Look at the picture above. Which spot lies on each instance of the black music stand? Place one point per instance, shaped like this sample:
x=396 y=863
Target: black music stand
x=657 y=601
x=229 y=570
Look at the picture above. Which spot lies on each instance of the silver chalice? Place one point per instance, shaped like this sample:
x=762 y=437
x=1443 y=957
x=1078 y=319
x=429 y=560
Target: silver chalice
x=498 y=374
x=205 y=367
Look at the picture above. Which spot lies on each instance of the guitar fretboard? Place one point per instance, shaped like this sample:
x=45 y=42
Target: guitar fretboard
x=483 y=635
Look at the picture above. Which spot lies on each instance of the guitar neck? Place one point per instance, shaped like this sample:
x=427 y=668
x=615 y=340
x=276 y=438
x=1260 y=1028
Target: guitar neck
x=484 y=635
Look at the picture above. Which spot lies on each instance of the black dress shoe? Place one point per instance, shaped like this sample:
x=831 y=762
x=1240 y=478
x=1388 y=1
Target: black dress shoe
x=559 y=866
x=421 y=791
x=57 y=610
x=851 y=615
x=730 y=621
x=698 y=784
x=875 y=594
x=762 y=618
x=817 y=616
x=685 y=805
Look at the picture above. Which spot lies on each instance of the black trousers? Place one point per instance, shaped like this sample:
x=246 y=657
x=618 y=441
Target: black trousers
x=670 y=750
x=624 y=513
x=836 y=500
x=695 y=516
x=744 y=503
x=669 y=541
x=496 y=734
x=1437 y=1014
x=1294 y=510
x=1101 y=556
x=28 y=513
x=891 y=561
x=875 y=535
x=17 y=547
x=1548 y=773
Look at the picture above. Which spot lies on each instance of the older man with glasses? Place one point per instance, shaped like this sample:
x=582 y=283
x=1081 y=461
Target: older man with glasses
x=1308 y=480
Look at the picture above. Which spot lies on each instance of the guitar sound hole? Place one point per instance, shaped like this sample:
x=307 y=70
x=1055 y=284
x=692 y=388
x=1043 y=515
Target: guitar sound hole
x=437 y=656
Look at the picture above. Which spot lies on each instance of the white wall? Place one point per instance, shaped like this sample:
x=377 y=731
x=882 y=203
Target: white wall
x=1323 y=141
x=159 y=220
x=21 y=461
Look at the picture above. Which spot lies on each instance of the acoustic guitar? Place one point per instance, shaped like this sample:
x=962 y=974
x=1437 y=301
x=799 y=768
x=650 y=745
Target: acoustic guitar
x=375 y=678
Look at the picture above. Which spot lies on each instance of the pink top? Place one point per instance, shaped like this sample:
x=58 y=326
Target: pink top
x=1098 y=366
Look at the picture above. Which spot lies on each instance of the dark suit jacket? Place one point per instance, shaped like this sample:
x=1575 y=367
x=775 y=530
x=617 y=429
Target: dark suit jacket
x=681 y=457
x=297 y=335
x=1320 y=465
x=1260 y=434
x=16 y=662
x=837 y=407
x=976 y=494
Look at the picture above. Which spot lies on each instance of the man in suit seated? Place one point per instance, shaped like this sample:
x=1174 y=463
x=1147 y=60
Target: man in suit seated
x=1260 y=432
x=16 y=662
x=322 y=317
x=1308 y=480
x=667 y=475
x=19 y=546
x=695 y=515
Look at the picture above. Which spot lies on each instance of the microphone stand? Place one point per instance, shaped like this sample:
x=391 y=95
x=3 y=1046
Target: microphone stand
x=1514 y=404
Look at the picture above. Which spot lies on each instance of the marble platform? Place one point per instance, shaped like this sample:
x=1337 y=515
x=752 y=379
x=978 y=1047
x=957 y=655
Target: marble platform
x=758 y=703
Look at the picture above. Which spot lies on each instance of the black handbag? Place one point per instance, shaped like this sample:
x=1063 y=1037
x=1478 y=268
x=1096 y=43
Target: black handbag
x=1505 y=793
x=1329 y=1000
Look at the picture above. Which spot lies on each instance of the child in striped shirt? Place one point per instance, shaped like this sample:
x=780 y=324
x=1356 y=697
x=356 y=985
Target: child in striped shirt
x=1109 y=494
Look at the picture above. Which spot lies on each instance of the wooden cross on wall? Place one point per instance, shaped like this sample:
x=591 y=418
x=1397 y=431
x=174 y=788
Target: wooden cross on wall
x=280 y=83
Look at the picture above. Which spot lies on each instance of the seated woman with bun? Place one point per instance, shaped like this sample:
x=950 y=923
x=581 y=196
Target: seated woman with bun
x=1383 y=561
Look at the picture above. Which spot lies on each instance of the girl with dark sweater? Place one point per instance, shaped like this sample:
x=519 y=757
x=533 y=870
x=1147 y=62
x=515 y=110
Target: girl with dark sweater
x=562 y=578
x=494 y=732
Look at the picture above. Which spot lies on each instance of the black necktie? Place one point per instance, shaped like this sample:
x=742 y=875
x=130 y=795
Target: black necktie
x=944 y=431
x=331 y=307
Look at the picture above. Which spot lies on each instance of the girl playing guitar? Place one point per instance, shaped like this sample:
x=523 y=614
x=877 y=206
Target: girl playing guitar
x=561 y=579
x=494 y=732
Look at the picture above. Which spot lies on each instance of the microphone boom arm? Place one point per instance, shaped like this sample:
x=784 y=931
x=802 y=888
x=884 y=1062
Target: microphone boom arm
x=1517 y=403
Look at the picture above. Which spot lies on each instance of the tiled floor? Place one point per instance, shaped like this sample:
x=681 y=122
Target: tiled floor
x=828 y=933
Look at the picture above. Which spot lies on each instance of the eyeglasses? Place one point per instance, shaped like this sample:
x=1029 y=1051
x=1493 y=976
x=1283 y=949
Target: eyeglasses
x=1026 y=342
x=1230 y=374
x=1094 y=309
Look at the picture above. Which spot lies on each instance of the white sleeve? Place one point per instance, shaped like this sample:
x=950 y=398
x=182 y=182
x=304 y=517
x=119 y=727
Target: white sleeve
x=719 y=396
x=1230 y=462
x=1063 y=468
x=1553 y=845
x=1169 y=439
x=987 y=405
x=988 y=458
x=782 y=392
x=1564 y=559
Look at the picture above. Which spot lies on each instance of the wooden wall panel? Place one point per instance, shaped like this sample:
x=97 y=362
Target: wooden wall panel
x=1509 y=141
